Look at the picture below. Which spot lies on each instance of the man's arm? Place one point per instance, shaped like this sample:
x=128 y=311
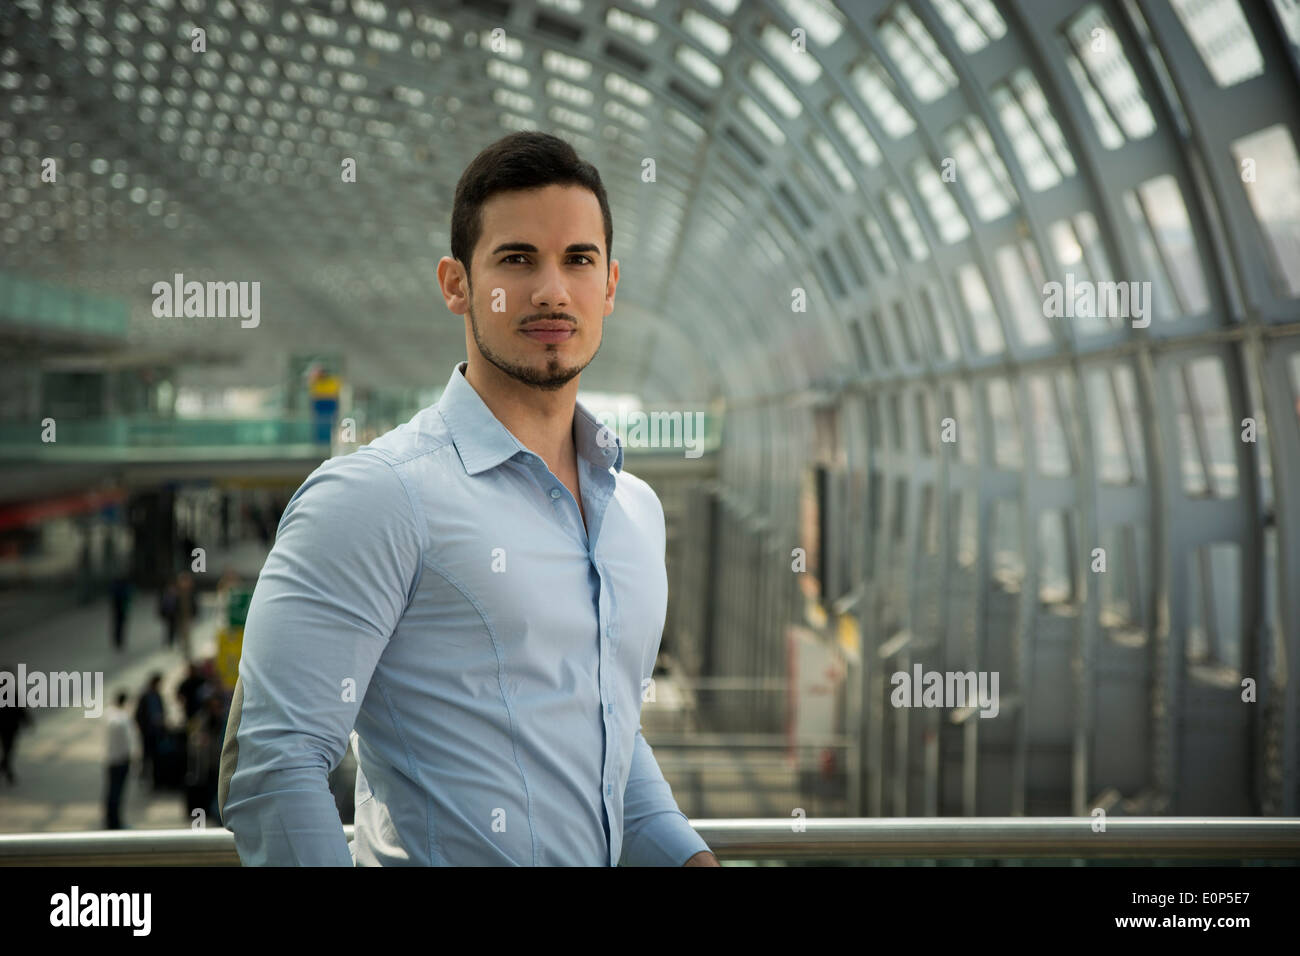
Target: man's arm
x=703 y=858
x=344 y=566
x=655 y=831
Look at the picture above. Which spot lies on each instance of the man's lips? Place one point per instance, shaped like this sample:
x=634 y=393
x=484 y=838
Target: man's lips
x=549 y=332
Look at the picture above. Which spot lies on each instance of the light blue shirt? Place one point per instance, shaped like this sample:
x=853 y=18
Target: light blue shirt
x=434 y=598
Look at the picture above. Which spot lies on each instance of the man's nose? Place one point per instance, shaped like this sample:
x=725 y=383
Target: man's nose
x=551 y=291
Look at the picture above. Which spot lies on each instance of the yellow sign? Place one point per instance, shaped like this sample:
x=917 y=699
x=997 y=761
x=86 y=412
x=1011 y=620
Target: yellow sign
x=327 y=386
x=230 y=643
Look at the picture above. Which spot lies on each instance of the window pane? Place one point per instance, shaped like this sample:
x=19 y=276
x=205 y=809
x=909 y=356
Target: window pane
x=973 y=22
x=1288 y=12
x=877 y=91
x=1023 y=297
x=959 y=408
x=1120 y=588
x=1214 y=627
x=915 y=54
x=979 y=305
x=1107 y=131
x=859 y=344
x=1163 y=204
x=1055 y=571
x=906 y=334
x=1107 y=438
x=1162 y=304
x=928 y=423
x=908 y=228
x=1052 y=449
x=1271 y=175
x=980 y=169
x=945 y=332
x=1008 y=557
x=884 y=348
x=900 y=509
x=1102 y=56
x=1039 y=169
x=1131 y=419
x=894 y=405
x=1038 y=143
x=944 y=212
x=1031 y=97
x=1194 y=479
x=1222 y=38
x=1069 y=253
x=965 y=518
x=1007 y=450
x=1206 y=429
x=1210 y=400
x=832 y=162
x=929 y=520
x=855 y=131
x=876 y=237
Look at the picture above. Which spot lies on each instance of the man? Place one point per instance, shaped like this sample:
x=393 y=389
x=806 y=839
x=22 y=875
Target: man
x=12 y=719
x=478 y=594
x=121 y=747
x=151 y=722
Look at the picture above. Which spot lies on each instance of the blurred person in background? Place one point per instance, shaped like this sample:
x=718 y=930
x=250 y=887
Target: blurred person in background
x=122 y=747
x=150 y=720
x=192 y=690
x=206 y=733
x=12 y=719
x=178 y=607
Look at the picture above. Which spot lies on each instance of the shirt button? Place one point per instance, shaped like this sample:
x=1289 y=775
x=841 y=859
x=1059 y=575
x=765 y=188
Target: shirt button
x=609 y=789
x=609 y=708
x=555 y=492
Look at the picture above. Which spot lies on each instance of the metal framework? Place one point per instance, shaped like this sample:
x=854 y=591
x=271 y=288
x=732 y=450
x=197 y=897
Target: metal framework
x=1097 y=140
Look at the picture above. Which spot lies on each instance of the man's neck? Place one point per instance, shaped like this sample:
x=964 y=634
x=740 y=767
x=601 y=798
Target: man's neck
x=542 y=420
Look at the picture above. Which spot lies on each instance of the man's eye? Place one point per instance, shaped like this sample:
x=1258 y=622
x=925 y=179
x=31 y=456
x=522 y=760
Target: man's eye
x=520 y=255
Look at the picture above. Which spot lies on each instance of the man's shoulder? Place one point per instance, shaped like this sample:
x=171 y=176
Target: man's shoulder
x=374 y=465
x=636 y=493
x=423 y=433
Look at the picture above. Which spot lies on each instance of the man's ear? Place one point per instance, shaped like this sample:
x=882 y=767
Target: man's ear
x=454 y=283
x=611 y=286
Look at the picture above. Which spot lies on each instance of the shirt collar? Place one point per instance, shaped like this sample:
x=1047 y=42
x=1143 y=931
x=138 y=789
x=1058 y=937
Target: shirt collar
x=483 y=442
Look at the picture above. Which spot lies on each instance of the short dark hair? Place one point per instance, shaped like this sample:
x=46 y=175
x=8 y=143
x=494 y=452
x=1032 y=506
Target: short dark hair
x=524 y=160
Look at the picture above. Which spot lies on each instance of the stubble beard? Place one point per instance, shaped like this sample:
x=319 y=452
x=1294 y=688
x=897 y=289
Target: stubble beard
x=550 y=378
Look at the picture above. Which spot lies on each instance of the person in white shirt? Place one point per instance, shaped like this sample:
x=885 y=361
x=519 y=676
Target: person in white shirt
x=122 y=746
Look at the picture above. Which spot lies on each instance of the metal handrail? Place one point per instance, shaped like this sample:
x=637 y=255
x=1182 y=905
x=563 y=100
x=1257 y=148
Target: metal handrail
x=924 y=838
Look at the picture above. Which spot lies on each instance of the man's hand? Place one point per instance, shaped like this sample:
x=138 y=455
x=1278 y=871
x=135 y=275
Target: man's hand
x=703 y=858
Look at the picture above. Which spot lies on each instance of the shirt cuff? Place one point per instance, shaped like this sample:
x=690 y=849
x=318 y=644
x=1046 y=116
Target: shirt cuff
x=666 y=839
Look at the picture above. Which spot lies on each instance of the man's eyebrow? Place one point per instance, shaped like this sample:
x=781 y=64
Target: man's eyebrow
x=529 y=247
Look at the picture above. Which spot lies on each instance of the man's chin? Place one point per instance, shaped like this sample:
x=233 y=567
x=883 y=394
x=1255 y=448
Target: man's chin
x=544 y=374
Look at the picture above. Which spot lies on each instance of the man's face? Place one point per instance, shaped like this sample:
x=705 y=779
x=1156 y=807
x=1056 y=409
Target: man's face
x=540 y=260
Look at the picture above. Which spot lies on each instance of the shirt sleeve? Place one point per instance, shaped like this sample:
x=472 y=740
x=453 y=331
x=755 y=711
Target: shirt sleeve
x=345 y=564
x=655 y=831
